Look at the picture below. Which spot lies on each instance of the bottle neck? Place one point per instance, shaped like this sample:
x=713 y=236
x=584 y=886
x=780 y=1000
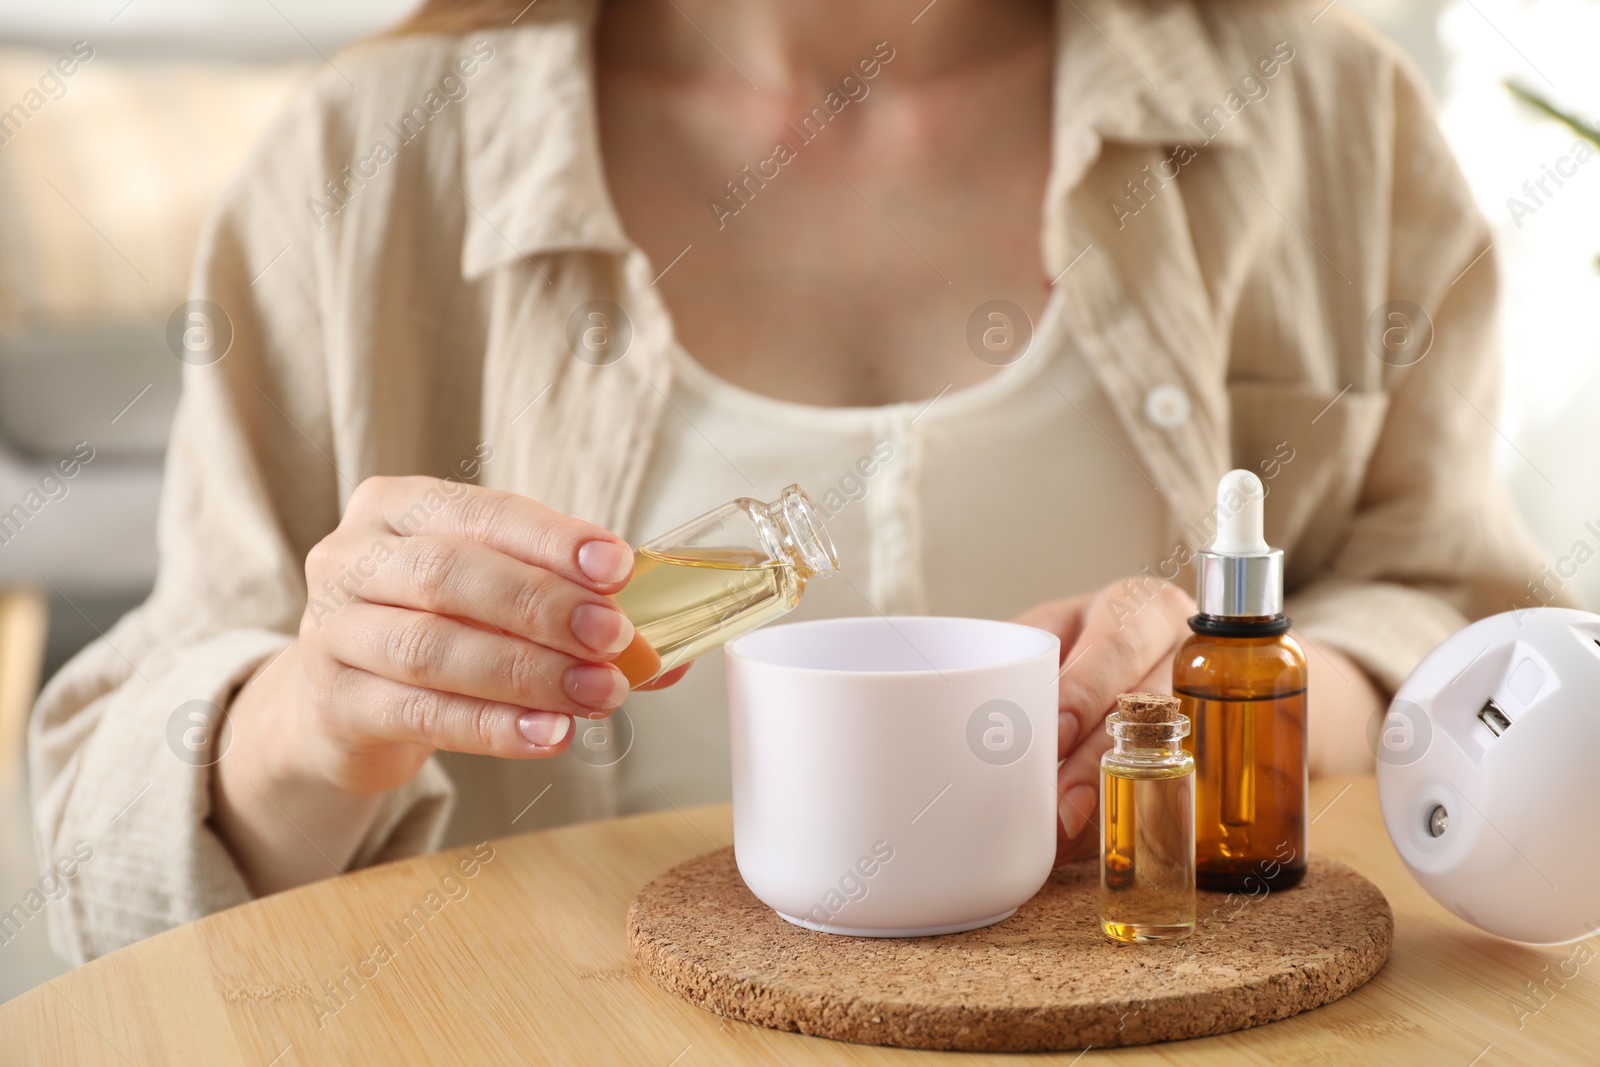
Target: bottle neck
x=1160 y=752
x=794 y=532
x=1146 y=742
x=1240 y=625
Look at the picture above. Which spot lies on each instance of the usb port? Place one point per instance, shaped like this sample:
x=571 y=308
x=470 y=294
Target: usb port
x=1494 y=718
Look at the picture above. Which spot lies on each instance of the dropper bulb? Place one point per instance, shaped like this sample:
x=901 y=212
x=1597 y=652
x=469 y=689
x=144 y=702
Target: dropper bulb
x=1241 y=525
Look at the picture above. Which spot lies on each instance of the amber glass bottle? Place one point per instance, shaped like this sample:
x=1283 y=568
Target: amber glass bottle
x=1243 y=687
x=1242 y=680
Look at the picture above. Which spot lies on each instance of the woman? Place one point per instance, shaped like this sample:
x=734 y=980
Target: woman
x=516 y=286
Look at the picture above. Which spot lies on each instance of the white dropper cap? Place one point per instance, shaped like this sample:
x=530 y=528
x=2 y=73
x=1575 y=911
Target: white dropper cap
x=1241 y=520
x=1239 y=574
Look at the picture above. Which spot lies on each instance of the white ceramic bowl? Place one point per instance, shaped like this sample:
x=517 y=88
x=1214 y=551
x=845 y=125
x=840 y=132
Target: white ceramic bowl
x=894 y=777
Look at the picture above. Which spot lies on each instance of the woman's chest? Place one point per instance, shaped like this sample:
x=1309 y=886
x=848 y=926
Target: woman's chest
x=838 y=261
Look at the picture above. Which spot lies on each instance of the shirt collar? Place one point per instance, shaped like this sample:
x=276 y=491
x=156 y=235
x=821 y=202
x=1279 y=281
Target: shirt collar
x=1144 y=71
x=531 y=165
x=1131 y=71
x=1139 y=71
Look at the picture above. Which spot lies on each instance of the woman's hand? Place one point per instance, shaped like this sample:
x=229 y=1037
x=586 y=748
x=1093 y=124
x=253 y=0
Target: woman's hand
x=440 y=616
x=1118 y=640
x=484 y=626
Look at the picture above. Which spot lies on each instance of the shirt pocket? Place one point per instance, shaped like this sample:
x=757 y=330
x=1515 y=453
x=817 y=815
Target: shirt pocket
x=1310 y=448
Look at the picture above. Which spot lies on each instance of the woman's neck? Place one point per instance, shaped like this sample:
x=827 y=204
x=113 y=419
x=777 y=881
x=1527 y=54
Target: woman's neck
x=788 y=47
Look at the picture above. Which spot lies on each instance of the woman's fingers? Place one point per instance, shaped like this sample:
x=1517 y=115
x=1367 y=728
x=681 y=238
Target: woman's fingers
x=445 y=615
x=515 y=525
x=433 y=652
x=1078 y=778
x=1064 y=618
x=1078 y=800
x=1118 y=640
x=1122 y=641
x=405 y=714
x=471 y=581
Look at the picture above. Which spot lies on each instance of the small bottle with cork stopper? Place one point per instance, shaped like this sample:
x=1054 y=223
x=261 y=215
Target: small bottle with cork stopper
x=1147 y=886
x=718 y=576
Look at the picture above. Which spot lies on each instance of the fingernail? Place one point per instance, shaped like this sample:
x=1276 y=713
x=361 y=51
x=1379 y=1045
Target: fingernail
x=604 y=629
x=596 y=687
x=605 y=561
x=1077 y=809
x=1068 y=727
x=544 y=728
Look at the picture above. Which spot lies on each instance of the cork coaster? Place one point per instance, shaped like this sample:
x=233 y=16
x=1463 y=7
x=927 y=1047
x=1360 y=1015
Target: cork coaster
x=1044 y=979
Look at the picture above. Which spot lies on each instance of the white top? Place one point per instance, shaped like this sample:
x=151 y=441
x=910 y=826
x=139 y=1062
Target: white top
x=982 y=502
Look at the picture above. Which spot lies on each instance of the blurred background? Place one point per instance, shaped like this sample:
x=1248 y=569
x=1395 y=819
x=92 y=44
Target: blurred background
x=106 y=176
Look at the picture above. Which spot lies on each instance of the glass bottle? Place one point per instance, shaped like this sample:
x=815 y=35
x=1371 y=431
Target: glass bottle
x=719 y=576
x=1147 y=886
x=1242 y=680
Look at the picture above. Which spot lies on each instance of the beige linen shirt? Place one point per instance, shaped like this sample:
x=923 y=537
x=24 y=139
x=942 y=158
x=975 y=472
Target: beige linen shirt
x=1238 y=197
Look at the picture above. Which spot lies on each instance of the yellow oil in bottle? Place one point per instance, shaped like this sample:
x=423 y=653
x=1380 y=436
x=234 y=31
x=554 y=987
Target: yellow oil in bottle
x=718 y=576
x=1147 y=890
x=1250 y=756
x=688 y=602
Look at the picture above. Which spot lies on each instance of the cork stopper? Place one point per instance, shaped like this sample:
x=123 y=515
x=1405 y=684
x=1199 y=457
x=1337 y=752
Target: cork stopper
x=1148 y=707
x=1147 y=719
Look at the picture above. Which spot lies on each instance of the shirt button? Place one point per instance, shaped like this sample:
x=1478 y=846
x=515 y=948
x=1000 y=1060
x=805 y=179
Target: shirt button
x=1167 y=406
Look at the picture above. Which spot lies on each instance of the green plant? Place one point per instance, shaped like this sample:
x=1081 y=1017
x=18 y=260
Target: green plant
x=1577 y=125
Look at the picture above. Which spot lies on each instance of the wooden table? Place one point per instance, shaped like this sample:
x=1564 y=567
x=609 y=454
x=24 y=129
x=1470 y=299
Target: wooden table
x=526 y=961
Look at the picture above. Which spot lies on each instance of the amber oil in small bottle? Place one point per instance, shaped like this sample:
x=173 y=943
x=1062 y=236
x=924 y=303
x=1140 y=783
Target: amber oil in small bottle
x=1242 y=680
x=719 y=576
x=1147 y=822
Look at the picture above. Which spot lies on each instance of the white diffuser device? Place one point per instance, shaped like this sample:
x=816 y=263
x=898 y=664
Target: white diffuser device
x=1489 y=774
